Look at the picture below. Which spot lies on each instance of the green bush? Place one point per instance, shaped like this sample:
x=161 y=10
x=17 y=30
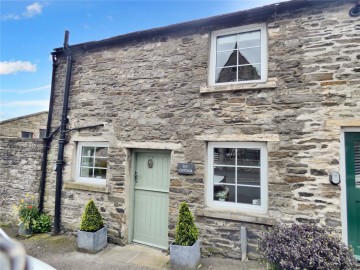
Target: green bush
x=91 y=220
x=186 y=230
x=305 y=246
x=41 y=224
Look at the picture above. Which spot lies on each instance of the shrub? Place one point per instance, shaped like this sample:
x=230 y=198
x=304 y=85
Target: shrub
x=42 y=224
x=305 y=246
x=186 y=230
x=91 y=220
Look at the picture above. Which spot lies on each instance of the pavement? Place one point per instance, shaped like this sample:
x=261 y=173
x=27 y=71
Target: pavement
x=61 y=253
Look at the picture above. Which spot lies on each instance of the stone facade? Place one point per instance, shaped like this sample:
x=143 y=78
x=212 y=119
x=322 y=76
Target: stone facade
x=20 y=166
x=28 y=123
x=151 y=93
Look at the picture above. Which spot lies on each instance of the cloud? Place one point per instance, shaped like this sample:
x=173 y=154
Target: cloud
x=31 y=11
x=30 y=90
x=41 y=103
x=12 y=67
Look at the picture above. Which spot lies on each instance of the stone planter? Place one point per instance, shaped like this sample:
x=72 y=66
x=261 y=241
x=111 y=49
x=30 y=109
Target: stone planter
x=23 y=231
x=185 y=257
x=92 y=242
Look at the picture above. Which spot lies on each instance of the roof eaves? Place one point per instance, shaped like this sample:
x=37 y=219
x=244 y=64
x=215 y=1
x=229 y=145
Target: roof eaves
x=242 y=15
x=22 y=117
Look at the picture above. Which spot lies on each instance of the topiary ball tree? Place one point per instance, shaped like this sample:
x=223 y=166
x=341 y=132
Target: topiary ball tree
x=91 y=220
x=186 y=230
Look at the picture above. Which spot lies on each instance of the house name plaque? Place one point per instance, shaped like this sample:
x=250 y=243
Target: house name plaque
x=186 y=168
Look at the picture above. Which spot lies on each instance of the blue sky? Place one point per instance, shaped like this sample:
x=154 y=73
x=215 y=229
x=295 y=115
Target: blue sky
x=30 y=30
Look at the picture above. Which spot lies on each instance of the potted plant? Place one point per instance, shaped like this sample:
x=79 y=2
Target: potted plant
x=92 y=235
x=28 y=213
x=185 y=251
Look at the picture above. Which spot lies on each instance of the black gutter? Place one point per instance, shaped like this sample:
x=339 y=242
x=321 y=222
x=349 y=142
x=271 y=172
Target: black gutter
x=47 y=140
x=64 y=120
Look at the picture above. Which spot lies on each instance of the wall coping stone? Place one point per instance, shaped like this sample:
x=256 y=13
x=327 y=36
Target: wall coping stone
x=270 y=84
x=239 y=137
x=86 y=186
x=235 y=215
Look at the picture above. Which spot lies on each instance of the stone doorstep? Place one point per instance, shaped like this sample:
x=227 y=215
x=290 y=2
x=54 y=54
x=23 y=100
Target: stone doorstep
x=136 y=254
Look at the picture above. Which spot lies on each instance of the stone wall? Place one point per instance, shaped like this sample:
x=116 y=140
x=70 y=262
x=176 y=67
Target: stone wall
x=28 y=123
x=20 y=167
x=147 y=94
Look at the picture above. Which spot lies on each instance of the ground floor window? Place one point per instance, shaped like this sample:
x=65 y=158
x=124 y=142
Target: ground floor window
x=91 y=165
x=238 y=175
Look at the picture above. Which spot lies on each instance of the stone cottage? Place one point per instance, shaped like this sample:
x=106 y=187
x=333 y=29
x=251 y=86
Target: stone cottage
x=30 y=126
x=251 y=117
x=21 y=154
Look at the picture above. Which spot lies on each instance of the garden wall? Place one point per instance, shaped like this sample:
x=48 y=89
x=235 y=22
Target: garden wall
x=20 y=167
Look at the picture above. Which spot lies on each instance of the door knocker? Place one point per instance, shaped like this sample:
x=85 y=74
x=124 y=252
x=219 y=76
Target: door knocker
x=150 y=163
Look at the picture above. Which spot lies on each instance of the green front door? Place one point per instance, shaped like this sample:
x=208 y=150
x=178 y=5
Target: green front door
x=352 y=155
x=152 y=178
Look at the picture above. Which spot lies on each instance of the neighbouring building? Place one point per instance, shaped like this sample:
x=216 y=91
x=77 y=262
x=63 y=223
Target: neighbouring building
x=29 y=126
x=21 y=153
x=251 y=117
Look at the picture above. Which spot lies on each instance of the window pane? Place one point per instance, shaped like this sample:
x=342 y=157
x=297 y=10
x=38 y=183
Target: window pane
x=248 y=195
x=100 y=173
x=226 y=59
x=224 y=156
x=42 y=133
x=249 y=39
x=226 y=43
x=224 y=193
x=100 y=162
x=225 y=75
x=86 y=172
x=223 y=175
x=250 y=56
x=248 y=157
x=248 y=73
x=26 y=135
x=101 y=151
x=87 y=161
x=248 y=176
x=87 y=151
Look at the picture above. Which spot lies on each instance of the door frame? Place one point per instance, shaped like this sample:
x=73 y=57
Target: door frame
x=131 y=204
x=343 y=199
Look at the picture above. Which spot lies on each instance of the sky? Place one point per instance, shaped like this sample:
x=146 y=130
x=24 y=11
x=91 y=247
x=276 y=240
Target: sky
x=30 y=30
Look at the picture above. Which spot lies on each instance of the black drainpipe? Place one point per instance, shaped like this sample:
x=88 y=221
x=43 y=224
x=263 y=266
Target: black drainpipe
x=47 y=139
x=60 y=161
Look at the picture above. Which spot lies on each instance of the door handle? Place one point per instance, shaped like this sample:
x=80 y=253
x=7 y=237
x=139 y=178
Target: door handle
x=136 y=175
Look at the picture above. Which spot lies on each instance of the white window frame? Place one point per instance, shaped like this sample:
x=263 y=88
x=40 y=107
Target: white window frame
x=262 y=146
x=238 y=30
x=89 y=180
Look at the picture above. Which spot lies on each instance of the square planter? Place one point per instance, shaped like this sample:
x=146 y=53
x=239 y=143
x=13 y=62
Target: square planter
x=185 y=257
x=92 y=242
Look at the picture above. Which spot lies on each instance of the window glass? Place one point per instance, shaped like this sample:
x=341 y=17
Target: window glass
x=26 y=135
x=236 y=175
x=42 y=133
x=238 y=57
x=93 y=162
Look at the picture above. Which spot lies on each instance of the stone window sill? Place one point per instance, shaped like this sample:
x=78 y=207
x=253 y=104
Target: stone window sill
x=235 y=215
x=86 y=187
x=270 y=84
